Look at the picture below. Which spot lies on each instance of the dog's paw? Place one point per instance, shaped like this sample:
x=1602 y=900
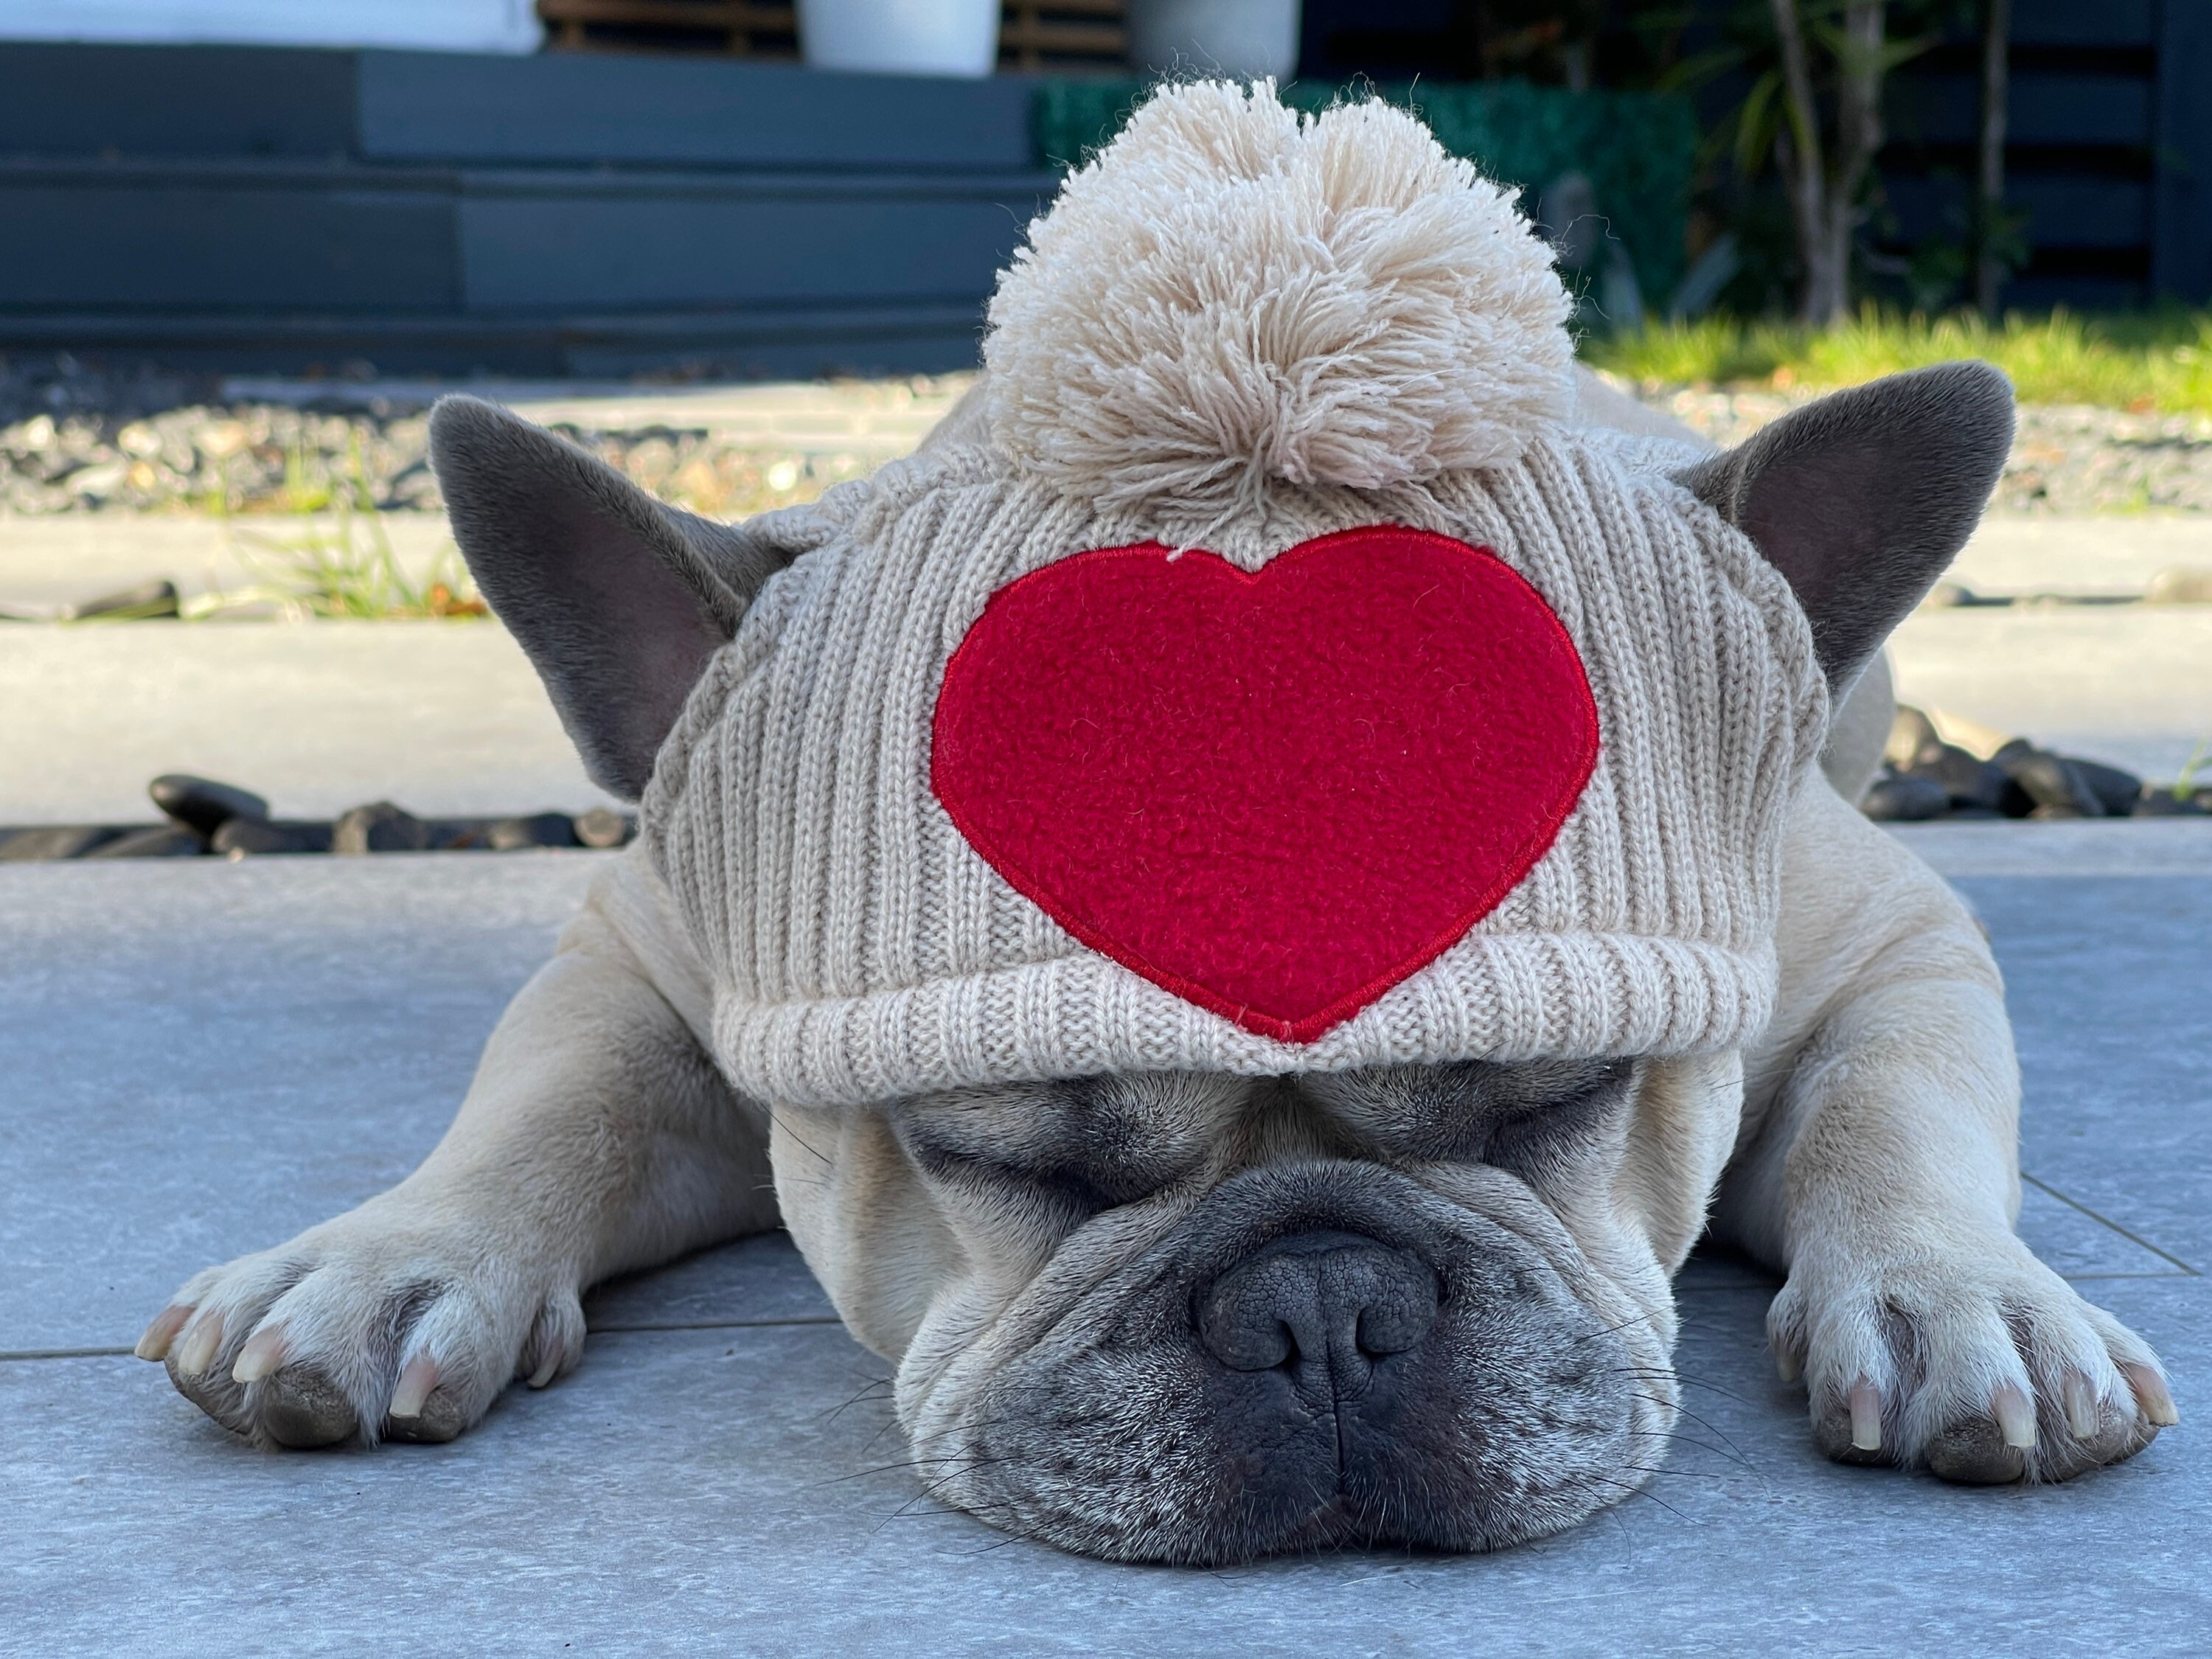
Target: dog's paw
x=388 y=1322
x=1980 y=1365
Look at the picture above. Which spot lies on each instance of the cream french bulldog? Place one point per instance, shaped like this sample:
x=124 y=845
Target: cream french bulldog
x=1246 y=906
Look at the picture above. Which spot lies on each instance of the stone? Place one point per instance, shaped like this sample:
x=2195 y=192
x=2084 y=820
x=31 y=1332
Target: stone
x=53 y=840
x=146 y=602
x=379 y=827
x=239 y=836
x=2117 y=789
x=1965 y=778
x=155 y=840
x=202 y=802
x=541 y=830
x=603 y=827
x=1951 y=596
x=1906 y=800
x=2157 y=802
x=2180 y=584
x=2046 y=779
x=1910 y=733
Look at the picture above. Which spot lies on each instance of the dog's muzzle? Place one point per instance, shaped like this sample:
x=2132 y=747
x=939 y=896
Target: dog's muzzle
x=1322 y=1354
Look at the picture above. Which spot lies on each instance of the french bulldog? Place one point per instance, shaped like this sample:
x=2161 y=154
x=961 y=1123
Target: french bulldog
x=1195 y=1317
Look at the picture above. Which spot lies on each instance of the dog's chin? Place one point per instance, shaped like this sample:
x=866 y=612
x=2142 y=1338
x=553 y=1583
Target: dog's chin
x=1486 y=1389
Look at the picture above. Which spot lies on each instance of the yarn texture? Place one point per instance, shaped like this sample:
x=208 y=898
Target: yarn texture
x=1236 y=298
x=1276 y=796
x=863 y=948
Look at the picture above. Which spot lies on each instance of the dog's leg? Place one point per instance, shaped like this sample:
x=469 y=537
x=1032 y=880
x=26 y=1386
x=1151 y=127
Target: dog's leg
x=1878 y=1168
x=597 y=1137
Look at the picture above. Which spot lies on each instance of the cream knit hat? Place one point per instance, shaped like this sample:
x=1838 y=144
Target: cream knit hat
x=1268 y=680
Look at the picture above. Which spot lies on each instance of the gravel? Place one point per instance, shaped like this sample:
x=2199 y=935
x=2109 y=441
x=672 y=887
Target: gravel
x=2066 y=457
x=76 y=438
x=203 y=816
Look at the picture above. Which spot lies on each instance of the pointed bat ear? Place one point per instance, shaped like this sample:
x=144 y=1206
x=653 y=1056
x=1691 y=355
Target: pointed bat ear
x=1861 y=499
x=617 y=600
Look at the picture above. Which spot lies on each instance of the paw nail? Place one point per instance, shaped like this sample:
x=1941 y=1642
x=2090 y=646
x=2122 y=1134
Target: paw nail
x=419 y=1376
x=2081 y=1406
x=259 y=1357
x=1786 y=1367
x=154 y=1344
x=1866 y=1416
x=2150 y=1393
x=2016 y=1415
x=201 y=1345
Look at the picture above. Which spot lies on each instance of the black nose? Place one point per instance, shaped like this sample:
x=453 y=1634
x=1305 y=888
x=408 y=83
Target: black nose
x=1323 y=1300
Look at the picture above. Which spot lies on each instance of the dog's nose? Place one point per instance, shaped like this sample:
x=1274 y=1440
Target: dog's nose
x=1331 y=1300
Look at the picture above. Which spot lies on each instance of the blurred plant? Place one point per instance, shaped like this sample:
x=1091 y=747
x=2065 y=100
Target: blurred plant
x=2185 y=784
x=340 y=563
x=700 y=474
x=2157 y=362
x=1809 y=116
x=1936 y=272
x=1546 y=41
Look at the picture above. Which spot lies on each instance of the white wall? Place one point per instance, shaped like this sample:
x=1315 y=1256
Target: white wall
x=428 y=25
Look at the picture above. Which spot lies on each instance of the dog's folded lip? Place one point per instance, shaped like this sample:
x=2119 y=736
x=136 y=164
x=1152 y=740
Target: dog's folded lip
x=1443 y=1232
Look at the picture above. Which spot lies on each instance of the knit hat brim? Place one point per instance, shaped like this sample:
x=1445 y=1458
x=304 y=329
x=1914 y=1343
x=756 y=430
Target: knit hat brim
x=1509 y=997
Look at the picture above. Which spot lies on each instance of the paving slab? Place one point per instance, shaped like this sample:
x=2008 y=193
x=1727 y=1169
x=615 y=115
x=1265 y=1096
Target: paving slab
x=2105 y=934
x=445 y=717
x=2109 y=979
x=743 y=1492
x=2128 y=684
x=449 y=718
x=200 y=1058
x=62 y=557
x=280 y=1039
x=2017 y=554
x=67 y=558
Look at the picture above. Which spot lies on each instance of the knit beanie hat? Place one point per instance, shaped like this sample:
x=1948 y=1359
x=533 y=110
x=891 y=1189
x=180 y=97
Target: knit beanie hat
x=1268 y=678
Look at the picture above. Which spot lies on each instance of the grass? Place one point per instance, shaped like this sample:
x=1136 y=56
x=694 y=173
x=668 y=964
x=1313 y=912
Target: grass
x=2185 y=786
x=338 y=563
x=2158 y=363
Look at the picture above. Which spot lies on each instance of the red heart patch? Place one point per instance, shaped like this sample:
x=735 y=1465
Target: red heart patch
x=1277 y=795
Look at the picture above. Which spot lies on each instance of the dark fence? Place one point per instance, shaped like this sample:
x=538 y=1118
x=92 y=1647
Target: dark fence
x=2109 y=153
x=589 y=213
x=553 y=214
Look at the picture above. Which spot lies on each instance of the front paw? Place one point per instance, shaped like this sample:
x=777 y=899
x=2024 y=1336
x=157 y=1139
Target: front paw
x=397 y=1321
x=1975 y=1362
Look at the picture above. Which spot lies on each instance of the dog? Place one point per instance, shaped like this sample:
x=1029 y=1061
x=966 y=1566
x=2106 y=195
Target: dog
x=1199 y=1313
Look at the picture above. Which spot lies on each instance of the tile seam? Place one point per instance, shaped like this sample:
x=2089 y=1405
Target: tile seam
x=23 y=1355
x=2106 y=1221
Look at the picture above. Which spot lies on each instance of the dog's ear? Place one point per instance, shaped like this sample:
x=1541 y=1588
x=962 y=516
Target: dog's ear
x=1861 y=499
x=618 y=600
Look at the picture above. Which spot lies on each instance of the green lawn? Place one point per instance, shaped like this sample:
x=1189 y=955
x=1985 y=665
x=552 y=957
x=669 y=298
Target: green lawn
x=2150 y=363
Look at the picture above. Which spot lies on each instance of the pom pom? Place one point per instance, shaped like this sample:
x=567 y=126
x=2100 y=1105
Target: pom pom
x=1232 y=294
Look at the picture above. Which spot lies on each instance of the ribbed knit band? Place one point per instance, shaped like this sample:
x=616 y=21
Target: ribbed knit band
x=862 y=949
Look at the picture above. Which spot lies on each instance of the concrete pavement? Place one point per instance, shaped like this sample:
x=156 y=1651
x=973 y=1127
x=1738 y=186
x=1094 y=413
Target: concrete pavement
x=447 y=717
x=202 y=1057
x=2131 y=686
x=72 y=556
